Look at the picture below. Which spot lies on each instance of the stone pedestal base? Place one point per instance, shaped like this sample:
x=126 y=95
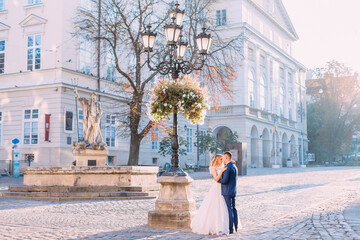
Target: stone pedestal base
x=90 y=176
x=303 y=166
x=275 y=166
x=90 y=157
x=175 y=207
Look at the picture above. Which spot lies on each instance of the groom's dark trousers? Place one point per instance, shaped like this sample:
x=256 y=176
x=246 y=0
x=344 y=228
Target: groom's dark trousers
x=228 y=190
x=233 y=217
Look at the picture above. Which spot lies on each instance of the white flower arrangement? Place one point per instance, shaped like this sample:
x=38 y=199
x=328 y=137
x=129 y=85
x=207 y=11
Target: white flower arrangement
x=183 y=96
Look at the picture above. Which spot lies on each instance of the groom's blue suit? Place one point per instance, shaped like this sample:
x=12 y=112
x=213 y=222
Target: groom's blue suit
x=228 y=190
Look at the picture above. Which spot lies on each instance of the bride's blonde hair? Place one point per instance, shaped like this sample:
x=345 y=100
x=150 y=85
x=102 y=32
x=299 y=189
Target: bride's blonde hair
x=216 y=162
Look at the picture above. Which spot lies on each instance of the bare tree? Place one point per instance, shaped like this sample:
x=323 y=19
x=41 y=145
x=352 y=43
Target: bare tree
x=121 y=24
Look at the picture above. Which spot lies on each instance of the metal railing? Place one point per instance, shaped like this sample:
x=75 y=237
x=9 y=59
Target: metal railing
x=6 y=166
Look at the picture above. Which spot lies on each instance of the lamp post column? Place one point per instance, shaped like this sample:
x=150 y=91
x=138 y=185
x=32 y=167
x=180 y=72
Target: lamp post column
x=175 y=206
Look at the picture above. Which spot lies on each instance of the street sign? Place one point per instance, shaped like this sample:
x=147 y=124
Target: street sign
x=15 y=141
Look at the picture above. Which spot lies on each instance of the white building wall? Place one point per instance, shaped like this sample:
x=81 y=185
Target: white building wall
x=50 y=89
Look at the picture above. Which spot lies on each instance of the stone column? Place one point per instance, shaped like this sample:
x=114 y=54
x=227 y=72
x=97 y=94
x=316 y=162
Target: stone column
x=175 y=207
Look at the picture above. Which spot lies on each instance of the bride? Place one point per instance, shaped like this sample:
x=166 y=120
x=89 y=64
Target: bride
x=213 y=217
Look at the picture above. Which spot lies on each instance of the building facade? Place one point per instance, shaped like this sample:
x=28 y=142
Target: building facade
x=42 y=60
x=268 y=110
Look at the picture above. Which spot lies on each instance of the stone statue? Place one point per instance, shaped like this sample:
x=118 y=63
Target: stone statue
x=91 y=122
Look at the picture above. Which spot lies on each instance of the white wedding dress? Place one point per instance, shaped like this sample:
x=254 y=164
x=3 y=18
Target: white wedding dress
x=212 y=216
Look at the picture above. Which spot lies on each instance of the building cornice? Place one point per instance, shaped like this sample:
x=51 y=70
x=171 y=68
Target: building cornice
x=60 y=83
x=293 y=36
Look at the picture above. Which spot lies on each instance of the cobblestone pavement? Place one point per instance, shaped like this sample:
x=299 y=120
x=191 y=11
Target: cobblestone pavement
x=272 y=204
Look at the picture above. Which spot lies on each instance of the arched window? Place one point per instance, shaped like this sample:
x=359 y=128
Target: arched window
x=263 y=92
x=282 y=100
x=251 y=88
x=291 y=102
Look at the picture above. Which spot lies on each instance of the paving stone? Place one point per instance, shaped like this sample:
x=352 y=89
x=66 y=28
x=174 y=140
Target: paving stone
x=312 y=208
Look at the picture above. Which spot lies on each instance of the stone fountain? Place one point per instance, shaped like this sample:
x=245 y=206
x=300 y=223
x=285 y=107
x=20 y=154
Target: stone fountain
x=90 y=175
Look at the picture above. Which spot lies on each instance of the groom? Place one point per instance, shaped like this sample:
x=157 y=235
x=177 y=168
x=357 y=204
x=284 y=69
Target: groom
x=228 y=190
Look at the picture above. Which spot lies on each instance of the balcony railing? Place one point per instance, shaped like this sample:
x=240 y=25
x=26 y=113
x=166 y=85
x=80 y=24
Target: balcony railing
x=242 y=110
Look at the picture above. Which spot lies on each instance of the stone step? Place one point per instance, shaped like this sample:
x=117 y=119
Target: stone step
x=64 y=199
x=84 y=189
x=78 y=194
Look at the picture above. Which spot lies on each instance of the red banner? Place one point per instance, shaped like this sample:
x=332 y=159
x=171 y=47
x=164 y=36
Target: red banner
x=47 y=127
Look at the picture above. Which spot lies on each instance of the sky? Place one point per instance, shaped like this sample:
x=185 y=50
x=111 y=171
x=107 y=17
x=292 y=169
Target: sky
x=327 y=30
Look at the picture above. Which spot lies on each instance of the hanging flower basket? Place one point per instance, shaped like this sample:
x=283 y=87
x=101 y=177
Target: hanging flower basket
x=183 y=96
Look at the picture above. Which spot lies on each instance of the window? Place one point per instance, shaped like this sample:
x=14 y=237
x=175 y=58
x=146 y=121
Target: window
x=187 y=7
x=110 y=160
x=221 y=19
x=29 y=158
x=189 y=139
x=272 y=88
x=31 y=117
x=85 y=54
x=110 y=73
x=110 y=130
x=251 y=88
x=2 y=5
x=271 y=35
x=80 y=125
x=282 y=101
x=250 y=54
x=288 y=48
x=31 y=2
x=33 y=52
x=271 y=6
x=280 y=42
x=155 y=140
x=155 y=161
x=110 y=68
x=2 y=56
x=249 y=18
x=290 y=78
x=262 y=92
x=69 y=120
x=262 y=60
x=0 y=127
x=282 y=74
x=291 y=96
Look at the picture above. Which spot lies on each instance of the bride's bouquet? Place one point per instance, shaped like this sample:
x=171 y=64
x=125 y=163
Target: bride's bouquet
x=183 y=96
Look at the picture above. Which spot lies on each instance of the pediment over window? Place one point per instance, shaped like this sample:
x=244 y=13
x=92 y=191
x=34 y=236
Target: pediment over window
x=4 y=27
x=4 y=31
x=32 y=20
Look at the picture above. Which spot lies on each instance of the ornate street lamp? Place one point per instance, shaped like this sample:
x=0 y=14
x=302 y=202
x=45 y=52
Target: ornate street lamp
x=148 y=39
x=175 y=64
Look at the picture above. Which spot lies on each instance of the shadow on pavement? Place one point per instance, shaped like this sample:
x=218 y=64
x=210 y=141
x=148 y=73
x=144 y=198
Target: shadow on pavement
x=286 y=188
x=146 y=232
x=354 y=179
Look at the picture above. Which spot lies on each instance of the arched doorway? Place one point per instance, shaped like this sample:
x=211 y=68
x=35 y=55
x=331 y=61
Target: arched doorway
x=285 y=149
x=220 y=134
x=275 y=150
x=266 y=148
x=293 y=152
x=254 y=147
